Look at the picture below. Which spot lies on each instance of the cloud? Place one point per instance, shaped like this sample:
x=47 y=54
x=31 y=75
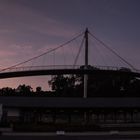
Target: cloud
x=23 y=18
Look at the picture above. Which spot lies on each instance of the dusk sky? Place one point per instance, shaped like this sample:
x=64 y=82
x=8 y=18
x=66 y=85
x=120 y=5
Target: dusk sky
x=31 y=27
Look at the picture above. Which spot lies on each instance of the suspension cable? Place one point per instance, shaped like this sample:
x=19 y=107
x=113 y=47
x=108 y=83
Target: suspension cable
x=99 y=52
x=76 y=59
x=114 y=52
x=47 y=52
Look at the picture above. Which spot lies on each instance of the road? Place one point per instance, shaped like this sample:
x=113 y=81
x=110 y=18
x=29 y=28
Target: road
x=72 y=136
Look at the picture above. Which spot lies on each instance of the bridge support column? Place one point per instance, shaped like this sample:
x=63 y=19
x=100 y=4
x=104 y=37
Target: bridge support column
x=85 y=85
x=86 y=64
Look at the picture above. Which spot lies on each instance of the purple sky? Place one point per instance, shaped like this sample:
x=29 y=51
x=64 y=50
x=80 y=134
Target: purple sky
x=30 y=27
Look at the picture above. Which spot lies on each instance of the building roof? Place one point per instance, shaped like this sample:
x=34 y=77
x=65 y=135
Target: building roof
x=59 y=102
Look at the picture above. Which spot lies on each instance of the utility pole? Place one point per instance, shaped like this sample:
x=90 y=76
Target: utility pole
x=86 y=63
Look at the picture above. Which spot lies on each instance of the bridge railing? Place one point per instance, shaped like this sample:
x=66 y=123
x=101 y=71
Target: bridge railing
x=118 y=69
x=56 y=67
x=30 y=68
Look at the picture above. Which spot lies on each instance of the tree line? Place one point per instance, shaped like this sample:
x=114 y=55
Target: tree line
x=72 y=86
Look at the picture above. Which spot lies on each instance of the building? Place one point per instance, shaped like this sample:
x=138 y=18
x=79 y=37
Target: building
x=70 y=114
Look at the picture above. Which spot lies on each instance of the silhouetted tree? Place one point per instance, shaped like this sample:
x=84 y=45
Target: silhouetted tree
x=7 y=91
x=24 y=89
x=63 y=85
x=38 y=89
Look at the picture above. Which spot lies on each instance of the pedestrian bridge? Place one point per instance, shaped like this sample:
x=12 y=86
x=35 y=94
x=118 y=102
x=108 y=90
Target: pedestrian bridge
x=26 y=68
x=67 y=69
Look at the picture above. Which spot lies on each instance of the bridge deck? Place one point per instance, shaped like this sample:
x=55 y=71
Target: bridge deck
x=39 y=72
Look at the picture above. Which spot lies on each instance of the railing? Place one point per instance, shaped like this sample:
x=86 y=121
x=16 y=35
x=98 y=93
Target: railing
x=58 y=67
x=30 y=68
